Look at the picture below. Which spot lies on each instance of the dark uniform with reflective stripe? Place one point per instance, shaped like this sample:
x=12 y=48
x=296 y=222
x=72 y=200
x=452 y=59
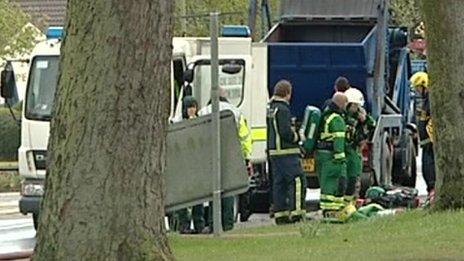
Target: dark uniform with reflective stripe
x=331 y=159
x=289 y=183
x=422 y=104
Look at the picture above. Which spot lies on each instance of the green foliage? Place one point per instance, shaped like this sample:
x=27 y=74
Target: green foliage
x=9 y=135
x=406 y=13
x=10 y=181
x=196 y=16
x=15 y=37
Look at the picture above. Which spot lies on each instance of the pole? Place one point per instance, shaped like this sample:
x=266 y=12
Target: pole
x=183 y=21
x=216 y=142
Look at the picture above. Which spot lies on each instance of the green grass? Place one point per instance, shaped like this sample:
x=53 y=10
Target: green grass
x=416 y=235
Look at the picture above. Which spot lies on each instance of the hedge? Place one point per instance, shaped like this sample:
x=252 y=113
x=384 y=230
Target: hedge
x=10 y=135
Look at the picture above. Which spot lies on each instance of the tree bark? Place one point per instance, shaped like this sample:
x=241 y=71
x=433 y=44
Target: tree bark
x=104 y=188
x=445 y=35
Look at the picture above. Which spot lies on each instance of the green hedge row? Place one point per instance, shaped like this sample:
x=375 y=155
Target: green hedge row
x=10 y=135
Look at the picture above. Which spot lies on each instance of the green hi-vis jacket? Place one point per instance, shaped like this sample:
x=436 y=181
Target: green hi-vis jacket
x=333 y=131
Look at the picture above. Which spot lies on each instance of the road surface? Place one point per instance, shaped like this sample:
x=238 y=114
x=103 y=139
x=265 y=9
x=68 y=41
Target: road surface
x=16 y=230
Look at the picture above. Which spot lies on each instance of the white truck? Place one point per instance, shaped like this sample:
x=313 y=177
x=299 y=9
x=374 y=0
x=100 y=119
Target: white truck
x=242 y=87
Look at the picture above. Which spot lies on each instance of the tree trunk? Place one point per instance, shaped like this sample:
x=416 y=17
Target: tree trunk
x=104 y=188
x=445 y=35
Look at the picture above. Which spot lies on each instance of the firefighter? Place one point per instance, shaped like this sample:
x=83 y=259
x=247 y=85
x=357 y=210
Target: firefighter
x=420 y=82
x=289 y=182
x=189 y=111
x=331 y=157
x=244 y=133
x=359 y=127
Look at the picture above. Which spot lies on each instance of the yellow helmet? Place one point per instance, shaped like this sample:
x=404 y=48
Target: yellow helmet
x=420 y=79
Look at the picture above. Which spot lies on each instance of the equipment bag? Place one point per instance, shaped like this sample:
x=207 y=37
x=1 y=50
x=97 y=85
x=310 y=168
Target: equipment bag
x=309 y=130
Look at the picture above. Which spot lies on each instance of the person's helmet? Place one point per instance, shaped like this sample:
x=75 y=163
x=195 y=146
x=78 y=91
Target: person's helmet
x=355 y=96
x=420 y=79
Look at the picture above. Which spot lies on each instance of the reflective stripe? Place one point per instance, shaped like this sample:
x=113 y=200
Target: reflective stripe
x=325 y=197
x=276 y=130
x=281 y=214
x=295 y=213
x=259 y=134
x=298 y=194
x=284 y=152
x=339 y=134
x=279 y=150
x=339 y=155
x=425 y=142
x=326 y=135
x=331 y=206
x=330 y=202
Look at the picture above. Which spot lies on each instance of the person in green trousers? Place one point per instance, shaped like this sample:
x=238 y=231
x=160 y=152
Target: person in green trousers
x=331 y=157
x=359 y=127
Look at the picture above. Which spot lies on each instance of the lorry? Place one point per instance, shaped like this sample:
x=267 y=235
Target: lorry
x=317 y=41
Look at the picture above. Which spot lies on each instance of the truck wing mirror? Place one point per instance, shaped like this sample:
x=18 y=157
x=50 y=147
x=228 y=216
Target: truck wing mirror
x=188 y=75
x=231 y=68
x=8 y=83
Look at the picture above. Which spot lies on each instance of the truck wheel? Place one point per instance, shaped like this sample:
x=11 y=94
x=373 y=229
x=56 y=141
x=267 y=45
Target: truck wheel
x=35 y=219
x=367 y=180
x=387 y=163
x=410 y=174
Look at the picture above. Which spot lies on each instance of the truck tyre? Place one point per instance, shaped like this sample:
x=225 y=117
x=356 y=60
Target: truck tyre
x=387 y=162
x=410 y=174
x=35 y=219
x=405 y=176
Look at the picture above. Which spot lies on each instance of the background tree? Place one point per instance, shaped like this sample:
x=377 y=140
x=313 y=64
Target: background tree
x=104 y=188
x=406 y=12
x=16 y=37
x=445 y=31
x=192 y=16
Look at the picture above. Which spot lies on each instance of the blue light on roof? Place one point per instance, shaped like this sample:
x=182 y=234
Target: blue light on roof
x=54 y=32
x=235 y=31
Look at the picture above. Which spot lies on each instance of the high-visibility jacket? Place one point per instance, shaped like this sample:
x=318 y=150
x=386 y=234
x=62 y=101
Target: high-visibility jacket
x=244 y=132
x=429 y=129
x=422 y=112
x=282 y=139
x=333 y=132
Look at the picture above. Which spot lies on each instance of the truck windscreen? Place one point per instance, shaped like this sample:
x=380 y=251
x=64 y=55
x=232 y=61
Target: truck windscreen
x=41 y=87
x=231 y=83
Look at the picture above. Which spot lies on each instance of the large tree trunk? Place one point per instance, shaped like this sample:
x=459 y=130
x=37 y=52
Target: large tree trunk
x=104 y=187
x=445 y=36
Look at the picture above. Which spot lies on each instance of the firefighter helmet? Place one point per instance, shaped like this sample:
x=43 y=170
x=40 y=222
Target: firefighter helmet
x=420 y=79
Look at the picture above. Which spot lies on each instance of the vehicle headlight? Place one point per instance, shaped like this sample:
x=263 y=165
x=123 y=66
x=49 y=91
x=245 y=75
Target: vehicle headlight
x=32 y=188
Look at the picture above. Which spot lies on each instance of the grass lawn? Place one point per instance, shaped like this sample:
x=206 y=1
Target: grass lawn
x=416 y=235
